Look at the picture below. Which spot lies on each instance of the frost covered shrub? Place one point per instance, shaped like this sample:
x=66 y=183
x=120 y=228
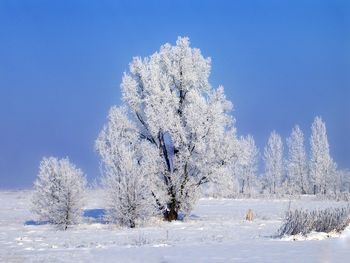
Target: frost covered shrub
x=342 y=197
x=304 y=221
x=127 y=168
x=59 y=192
x=128 y=200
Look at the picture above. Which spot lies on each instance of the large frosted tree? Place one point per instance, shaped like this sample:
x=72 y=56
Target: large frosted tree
x=297 y=171
x=184 y=121
x=59 y=192
x=322 y=166
x=273 y=157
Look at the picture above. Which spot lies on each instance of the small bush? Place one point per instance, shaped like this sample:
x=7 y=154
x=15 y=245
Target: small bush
x=304 y=221
x=59 y=193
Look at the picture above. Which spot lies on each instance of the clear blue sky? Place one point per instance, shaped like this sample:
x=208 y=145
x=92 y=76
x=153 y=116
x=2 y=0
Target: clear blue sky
x=61 y=62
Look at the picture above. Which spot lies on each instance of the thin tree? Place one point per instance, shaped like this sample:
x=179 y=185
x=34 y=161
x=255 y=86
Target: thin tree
x=297 y=171
x=273 y=157
x=322 y=166
x=247 y=164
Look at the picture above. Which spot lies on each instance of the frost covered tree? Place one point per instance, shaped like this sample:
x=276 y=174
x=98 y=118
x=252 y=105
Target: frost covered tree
x=184 y=123
x=297 y=171
x=247 y=164
x=128 y=166
x=273 y=157
x=59 y=192
x=322 y=166
x=344 y=176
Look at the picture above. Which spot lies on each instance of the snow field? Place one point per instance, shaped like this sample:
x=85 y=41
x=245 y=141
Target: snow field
x=214 y=232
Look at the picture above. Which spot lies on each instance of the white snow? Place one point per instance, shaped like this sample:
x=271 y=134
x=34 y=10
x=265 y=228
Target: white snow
x=214 y=232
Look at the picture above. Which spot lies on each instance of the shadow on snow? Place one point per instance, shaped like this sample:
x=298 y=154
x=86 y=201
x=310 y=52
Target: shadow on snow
x=35 y=223
x=96 y=215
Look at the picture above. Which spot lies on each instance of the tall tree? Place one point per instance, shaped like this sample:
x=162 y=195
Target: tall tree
x=273 y=157
x=322 y=166
x=183 y=119
x=247 y=164
x=344 y=177
x=59 y=192
x=298 y=180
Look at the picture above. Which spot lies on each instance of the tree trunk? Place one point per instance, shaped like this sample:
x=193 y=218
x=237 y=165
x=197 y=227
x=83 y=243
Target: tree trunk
x=303 y=192
x=242 y=190
x=171 y=213
x=66 y=222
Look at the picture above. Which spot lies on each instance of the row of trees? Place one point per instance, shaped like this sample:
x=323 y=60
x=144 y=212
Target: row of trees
x=296 y=174
x=174 y=134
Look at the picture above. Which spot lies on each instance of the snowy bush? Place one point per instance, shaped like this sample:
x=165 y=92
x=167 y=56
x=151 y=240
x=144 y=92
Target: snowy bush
x=128 y=167
x=126 y=200
x=59 y=192
x=304 y=221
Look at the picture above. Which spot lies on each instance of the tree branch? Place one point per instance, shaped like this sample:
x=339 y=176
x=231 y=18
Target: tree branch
x=150 y=137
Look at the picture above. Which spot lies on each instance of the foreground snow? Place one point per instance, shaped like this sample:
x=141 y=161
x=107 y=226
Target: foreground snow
x=215 y=232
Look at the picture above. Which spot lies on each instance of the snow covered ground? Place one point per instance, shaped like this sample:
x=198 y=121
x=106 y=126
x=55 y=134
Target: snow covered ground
x=215 y=232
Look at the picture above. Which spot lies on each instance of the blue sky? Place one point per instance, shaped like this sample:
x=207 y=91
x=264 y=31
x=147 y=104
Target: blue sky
x=61 y=62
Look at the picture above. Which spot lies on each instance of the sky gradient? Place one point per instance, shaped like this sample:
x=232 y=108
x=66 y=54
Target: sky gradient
x=61 y=62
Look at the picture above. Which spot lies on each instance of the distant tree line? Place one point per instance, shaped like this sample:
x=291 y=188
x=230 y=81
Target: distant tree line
x=300 y=173
x=293 y=173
